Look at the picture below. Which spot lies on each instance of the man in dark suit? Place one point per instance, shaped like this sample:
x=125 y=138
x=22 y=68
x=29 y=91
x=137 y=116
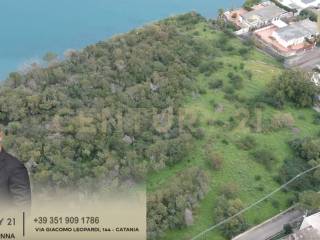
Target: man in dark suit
x=15 y=193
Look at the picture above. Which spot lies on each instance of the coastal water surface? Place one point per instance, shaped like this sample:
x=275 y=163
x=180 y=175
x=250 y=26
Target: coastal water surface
x=30 y=28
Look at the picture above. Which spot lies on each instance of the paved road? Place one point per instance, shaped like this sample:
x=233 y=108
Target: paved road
x=311 y=64
x=271 y=227
x=306 y=61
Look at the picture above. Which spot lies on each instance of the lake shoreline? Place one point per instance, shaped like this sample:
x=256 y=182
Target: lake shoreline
x=40 y=31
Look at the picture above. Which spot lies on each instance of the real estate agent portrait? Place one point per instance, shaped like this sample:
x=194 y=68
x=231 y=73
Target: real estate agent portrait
x=15 y=191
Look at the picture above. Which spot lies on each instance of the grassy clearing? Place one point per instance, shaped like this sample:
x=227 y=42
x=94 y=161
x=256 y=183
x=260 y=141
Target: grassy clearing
x=238 y=165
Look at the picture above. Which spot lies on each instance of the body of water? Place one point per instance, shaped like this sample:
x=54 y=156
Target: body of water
x=30 y=28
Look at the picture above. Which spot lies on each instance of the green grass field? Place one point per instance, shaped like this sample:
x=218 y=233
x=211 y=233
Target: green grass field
x=238 y=166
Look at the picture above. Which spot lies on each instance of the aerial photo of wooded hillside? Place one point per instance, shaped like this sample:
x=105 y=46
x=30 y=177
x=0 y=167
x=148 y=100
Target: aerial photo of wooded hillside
x=208 y=122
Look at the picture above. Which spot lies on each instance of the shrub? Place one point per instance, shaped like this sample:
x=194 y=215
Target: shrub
x=209 y=67
x=257 y=177
x=243 y=51
x=213 y=102
x=306 y=13
x=216 y=84
x=195 y=122
x=202 y=91
x=230 y=75
x=215 y=161
x=292 y=200
x=287 y=229
x=231 y=97
x=307 y=148
x=265 y=157
x=210 y=122
x=219 y=123
x=250 y=3
x=291 y=168
x=225 y=141
x=235 y=80
x=225 y=208
x=248 y=74
x=228 y=90
x=198 y=133
x=275 y=204
x=229 y=190
x=166 y=207
x=282 y=120
x=288 y=9
x=310 y=200
x=246 y=143
x=316 y=119
x=260 y=188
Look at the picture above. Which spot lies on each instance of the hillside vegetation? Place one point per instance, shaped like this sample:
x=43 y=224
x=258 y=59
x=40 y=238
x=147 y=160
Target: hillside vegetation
x=181 y=105
x=99 y=113
x=247 y=111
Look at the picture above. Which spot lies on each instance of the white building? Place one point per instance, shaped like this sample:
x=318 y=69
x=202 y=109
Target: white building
x=309 y=229
x=263 y=16
x=296 y=33
x=313 y=221
x=300 y=4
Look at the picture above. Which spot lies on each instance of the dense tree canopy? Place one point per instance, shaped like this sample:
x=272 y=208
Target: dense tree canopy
x=306 y=155
x=310 y=14
x=293 y=86
x=310 y=200
x=250 y=3
x=228 y=204
x=109 y=115
x=166 y=207
x=109 y=111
